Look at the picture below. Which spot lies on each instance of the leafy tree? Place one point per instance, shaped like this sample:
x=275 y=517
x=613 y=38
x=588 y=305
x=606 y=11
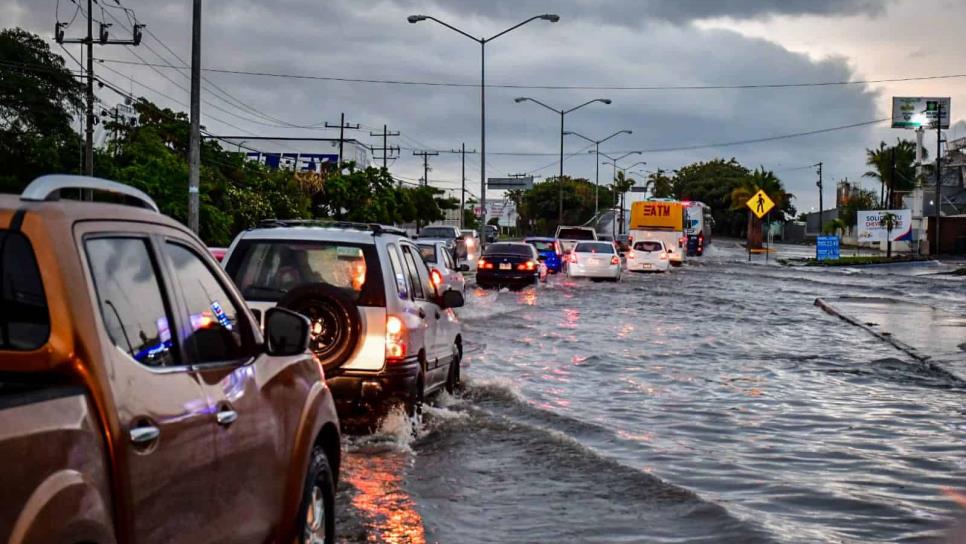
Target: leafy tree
x=660 y=184
x=38 y=99
x=880 y=160
x=835 y=226
x=621 y=185
x=862 y=199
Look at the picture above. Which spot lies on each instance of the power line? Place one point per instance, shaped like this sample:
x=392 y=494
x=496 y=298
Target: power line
x=569 y=87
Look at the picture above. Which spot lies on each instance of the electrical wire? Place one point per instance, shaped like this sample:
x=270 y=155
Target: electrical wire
x=569 y=87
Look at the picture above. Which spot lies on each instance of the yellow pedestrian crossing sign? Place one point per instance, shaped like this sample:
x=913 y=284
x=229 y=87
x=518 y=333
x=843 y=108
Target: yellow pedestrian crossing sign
x=760 y=204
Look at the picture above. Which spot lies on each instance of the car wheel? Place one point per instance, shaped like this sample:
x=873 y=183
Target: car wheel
x=335 y=322
x=414 y=402
x=453 y=378
x=316 y=521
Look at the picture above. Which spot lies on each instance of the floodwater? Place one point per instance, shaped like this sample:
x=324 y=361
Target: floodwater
x=712 y=404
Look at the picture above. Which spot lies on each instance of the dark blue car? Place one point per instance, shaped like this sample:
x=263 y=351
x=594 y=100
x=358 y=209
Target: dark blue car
x=548 y=249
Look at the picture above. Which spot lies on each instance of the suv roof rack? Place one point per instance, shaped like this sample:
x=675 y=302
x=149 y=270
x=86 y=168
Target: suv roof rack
x=374 y=228
x=48 y=188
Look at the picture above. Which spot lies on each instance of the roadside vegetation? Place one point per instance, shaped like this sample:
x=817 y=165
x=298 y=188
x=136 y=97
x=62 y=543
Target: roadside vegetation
x=40 y=98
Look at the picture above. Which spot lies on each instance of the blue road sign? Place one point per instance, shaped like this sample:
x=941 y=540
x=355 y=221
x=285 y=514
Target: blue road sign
x=827 y=248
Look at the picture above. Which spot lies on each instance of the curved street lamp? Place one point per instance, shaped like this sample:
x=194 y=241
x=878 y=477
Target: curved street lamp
x=550 y=17
x=562 y=132
x=597 y=164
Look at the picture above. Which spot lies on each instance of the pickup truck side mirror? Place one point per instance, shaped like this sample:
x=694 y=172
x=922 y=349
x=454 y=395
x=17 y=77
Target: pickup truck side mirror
x=286 y=332
x=451 y=299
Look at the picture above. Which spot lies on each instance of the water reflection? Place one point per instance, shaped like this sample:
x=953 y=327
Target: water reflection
x=389 y=511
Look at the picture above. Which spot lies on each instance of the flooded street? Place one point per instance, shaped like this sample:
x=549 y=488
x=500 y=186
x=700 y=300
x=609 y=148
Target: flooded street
x=712 y=404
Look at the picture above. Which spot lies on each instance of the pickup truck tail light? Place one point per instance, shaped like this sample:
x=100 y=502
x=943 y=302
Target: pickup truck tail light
x=395 y=339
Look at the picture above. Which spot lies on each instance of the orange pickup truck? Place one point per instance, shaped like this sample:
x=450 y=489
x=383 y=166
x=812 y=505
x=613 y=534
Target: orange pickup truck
x=139 y=400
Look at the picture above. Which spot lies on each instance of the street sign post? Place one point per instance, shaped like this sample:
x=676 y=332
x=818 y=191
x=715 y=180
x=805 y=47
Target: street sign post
x=510 y=183
x=760 y=204
x=827 y=248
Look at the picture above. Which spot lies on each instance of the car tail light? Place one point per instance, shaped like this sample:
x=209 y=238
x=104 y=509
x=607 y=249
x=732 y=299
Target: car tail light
x=663 y=256
x=436 y=277
x=572 y=257
x=469 y=242
x=529 y=265
x=615 y=260
x=630 y=255
x=395 y=340
x=483 y=263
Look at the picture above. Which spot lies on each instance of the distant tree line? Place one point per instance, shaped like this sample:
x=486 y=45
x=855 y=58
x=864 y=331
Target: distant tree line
x=40 y=97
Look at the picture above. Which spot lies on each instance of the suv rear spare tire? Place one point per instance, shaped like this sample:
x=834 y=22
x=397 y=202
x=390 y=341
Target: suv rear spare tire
x=336 y=324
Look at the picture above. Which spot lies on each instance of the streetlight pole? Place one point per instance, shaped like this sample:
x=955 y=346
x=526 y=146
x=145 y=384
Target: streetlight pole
x=621 y=196
x=597 y=164
x=562 y=113
x=483 y=41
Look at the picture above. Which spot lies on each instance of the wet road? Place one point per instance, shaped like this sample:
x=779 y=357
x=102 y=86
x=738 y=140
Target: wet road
x=713 y=404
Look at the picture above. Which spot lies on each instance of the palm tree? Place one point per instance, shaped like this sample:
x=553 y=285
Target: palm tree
x=621 y=185
x=890 y=221
x=764 y=180
x=835 y=226
x=900 y=177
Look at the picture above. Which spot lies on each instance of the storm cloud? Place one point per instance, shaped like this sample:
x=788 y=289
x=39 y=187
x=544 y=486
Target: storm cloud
x=619 y=43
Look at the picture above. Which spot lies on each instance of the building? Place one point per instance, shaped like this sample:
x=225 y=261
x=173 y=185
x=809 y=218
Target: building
x=843 y=191
x=303 y=154
x=952 y=201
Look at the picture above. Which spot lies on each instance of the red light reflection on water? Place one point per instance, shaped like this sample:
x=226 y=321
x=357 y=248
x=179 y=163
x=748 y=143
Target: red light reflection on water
x=390 y=512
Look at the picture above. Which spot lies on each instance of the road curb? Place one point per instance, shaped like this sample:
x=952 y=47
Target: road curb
x=905 y=348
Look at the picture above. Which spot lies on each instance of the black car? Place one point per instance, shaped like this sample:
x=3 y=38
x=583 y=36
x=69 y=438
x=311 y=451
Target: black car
x=510 y=264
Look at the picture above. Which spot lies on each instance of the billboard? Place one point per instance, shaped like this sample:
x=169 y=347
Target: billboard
x=915 y=112
x=302 y=162
x=649 y=214
x=504 y=210
x=510 y=183
x=870 y=228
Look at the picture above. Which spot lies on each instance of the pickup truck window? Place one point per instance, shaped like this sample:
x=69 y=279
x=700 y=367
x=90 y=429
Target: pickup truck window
x=24 y=319
x=576 y=234
x=216 y=333
x=129 y=295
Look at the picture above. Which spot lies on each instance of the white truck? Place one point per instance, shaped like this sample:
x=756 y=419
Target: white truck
x=569 y=236
x=660 y=220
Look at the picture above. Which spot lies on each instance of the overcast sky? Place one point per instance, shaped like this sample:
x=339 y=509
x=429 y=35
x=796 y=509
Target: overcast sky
x=619 y=43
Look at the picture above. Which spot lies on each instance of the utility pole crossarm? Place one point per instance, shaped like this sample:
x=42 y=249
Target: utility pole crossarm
x=342 y=126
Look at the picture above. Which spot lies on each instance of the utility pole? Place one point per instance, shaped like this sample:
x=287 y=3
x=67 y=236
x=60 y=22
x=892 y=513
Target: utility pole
x=194 y=141
x=821 y=209
x=892 y=178
x=88 y=41
x=386 y=148
x=462 y=151
x=342 y=126
x=425 y=155
x=939 y=169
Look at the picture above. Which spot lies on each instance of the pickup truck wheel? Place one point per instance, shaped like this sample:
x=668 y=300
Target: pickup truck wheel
x=317 y=512
x=336 y=325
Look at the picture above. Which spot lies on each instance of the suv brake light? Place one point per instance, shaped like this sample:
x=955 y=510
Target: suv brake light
x=395 y=341
x=436 y=277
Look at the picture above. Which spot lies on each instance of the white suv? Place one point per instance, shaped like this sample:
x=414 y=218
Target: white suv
x=379 y=327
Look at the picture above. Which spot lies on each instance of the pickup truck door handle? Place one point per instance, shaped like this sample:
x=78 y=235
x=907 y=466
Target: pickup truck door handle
x=226 y=417
x=422 y=313
x=145 y=434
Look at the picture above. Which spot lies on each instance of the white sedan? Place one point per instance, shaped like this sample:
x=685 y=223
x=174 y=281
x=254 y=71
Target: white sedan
x=648 y=256
x=597 y=260
x=443 y=270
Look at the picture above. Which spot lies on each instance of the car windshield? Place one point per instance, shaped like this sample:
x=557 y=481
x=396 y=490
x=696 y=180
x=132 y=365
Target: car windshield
x=522 y=250
x=594 y=247
x=542 y=245
x=437 y=232
x=267 y=270
x=576 y=234
x=428 y=252
x=648 y=246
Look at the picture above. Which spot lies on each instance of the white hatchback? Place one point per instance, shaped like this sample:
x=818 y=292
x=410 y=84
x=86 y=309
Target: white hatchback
x=648 y=256
x=443 y=270
x=597 y=260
